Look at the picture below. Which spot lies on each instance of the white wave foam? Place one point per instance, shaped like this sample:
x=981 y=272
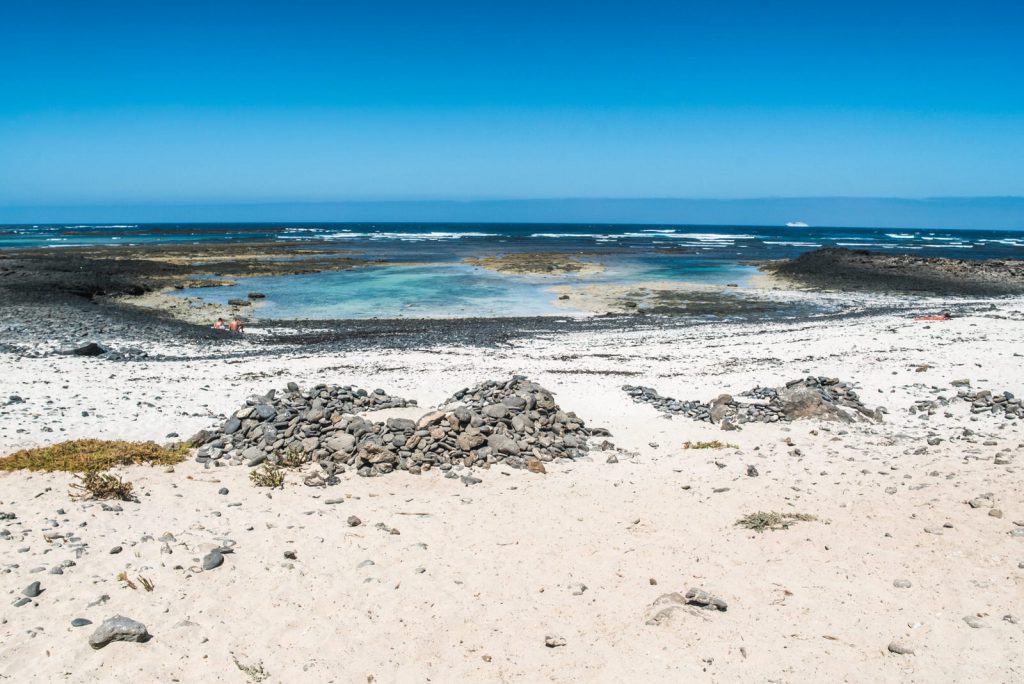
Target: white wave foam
x=862 y=244
x=112 y=225
x=1013 y=242
x=596 y=236
x=792 y=244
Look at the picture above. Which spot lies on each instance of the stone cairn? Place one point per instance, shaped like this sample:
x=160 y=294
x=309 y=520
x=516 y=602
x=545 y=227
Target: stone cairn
x=807 y=397
x=986 y=401
x=1003 y=404
x=507 y=422
x=276 y=425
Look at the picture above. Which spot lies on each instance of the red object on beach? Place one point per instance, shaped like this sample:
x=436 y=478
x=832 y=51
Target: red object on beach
x=932 y=318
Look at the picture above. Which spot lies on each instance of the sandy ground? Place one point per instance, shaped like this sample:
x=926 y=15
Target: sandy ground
x=479 y=576
x=192 y=309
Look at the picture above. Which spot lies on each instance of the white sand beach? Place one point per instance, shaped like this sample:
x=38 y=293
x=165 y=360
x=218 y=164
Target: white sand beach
x=473 y=579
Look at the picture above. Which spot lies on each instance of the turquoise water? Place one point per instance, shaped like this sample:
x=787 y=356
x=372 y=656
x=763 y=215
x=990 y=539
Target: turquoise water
x=436 y=291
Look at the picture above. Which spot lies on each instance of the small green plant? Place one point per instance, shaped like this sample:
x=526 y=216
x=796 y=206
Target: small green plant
x=267 y=476
x=292 y=458
x=84 y=455
x=761 y=521
x=713 y=444
x=256 y=671
x=146 y=583
x=99 y=486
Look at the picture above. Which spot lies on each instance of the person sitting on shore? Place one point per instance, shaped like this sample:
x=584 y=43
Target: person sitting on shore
x=218 y=324
x=236 y=325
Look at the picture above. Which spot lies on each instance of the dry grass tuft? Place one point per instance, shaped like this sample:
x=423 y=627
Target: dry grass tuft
x=84 y=455
x=292 y=458
x=713 y=444
x=761 y=521
x=267 y=476
x=98 y=486
x=256 y=671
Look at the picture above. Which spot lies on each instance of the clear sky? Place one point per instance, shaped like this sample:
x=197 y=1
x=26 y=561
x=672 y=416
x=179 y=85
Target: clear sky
x=250 y=101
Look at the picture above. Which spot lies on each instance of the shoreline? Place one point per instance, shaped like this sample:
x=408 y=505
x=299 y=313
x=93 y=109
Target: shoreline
x=135 y=309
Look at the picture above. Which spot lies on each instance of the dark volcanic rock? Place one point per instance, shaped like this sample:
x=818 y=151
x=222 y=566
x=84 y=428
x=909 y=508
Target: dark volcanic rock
x=509 y=421
x=842 y=268
x=91 y=349
x=811 y=397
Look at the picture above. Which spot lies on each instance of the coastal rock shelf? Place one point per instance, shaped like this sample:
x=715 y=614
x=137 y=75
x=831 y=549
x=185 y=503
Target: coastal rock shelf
x=507 y=422
x=810 y=397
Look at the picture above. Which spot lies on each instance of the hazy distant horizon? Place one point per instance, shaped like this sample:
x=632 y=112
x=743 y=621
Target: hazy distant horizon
x=978 y=213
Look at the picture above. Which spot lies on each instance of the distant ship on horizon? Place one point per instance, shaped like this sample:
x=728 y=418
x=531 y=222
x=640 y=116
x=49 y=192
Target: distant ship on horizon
x=797 y=224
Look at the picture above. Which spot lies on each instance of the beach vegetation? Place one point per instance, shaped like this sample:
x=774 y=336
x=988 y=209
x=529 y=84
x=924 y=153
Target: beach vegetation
x=256 y=671
x=124 y=579
x=293 y=457
x=99 y=486
x=761 y=520
x=267 y=476
x=89 y=455
x=146 y=583
x=713 y=444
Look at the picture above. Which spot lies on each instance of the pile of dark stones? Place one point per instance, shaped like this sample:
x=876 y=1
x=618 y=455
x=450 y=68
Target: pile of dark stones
x=986 y=401
x=810 y=397
x=292 y=424
x=511 y=422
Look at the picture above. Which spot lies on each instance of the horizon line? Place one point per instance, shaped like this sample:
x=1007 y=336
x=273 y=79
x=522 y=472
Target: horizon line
x=993 y=212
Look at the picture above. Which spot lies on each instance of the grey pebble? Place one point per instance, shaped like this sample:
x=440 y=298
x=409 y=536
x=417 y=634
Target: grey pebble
x=699 y=597
x=212 y=560
x=554 y=641
x=33 y=590
x=80 y=622
x=900 y=648
x=118 y=628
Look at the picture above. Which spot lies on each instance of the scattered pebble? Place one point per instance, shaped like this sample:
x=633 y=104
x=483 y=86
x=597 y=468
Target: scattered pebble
x=554 y=641
x=118 y=628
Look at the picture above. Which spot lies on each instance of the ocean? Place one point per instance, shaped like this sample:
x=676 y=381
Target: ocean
x=425 y=277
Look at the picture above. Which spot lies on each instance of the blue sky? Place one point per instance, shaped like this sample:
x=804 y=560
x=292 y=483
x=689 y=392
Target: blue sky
x=210 y=102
